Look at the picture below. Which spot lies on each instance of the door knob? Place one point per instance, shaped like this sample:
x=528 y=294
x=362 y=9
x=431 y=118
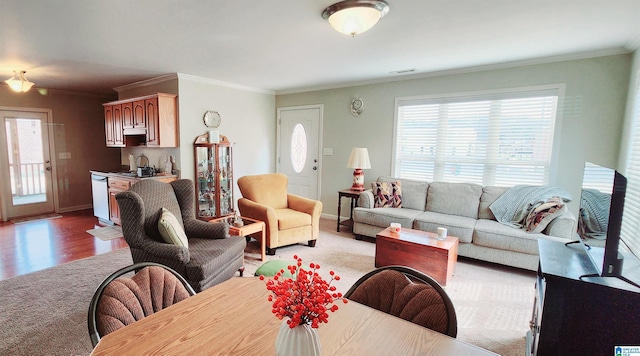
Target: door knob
x=315 y=168
x=48 y=168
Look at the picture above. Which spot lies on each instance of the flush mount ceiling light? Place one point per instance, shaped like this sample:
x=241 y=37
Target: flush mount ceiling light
x=19 y=83
x=353 y=17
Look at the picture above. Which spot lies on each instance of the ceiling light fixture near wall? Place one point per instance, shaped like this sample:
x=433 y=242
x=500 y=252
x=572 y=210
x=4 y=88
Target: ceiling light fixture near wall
x=19 y=82
x=353 y=17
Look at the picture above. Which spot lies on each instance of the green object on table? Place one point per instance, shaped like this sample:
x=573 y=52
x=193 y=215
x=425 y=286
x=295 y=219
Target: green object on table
x=270 y=268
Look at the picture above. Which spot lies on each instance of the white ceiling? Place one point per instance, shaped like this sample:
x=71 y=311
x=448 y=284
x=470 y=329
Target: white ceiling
x=286 y=46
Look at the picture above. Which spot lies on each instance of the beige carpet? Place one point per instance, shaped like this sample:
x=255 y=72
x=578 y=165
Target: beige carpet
x=44 y=313
x=493 y=303
x=107 y=232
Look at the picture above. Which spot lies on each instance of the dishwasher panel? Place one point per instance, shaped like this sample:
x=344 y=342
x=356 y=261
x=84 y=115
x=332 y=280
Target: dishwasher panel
x=100 y=192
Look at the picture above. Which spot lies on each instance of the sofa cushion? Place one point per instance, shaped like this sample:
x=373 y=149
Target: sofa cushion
x=414 y=192
x=489 y=195
x=384 y=217
x=289 y=219
x=492 y=234
x=387 y=194
x=458 y=226
x=460 y=199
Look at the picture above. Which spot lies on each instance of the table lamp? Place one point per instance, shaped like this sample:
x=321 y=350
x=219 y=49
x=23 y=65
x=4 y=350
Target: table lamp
x=359 y=160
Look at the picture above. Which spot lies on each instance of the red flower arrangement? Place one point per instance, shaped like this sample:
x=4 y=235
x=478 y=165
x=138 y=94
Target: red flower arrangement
x=304 y=299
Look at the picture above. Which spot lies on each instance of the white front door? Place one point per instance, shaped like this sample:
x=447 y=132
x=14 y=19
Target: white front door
x=299 y=137
x=26 y=176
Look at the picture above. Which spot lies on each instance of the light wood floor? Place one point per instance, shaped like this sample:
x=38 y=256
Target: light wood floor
x=33 y=246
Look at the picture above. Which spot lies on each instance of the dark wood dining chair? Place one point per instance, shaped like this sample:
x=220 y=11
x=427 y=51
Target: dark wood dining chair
x=408 y=294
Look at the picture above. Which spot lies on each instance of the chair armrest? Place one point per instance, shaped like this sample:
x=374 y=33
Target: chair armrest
x=165 y=250
x=562 y=226
x=206 y=230
x=365 y=199
x=309 y=206
x=260 y=212
x=305 y=205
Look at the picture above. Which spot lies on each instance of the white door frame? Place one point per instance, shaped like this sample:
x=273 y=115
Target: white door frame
x=52 y=158
x=320 y=107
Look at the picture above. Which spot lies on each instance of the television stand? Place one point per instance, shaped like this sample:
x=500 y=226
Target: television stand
x=574 y=316
x=622 y=278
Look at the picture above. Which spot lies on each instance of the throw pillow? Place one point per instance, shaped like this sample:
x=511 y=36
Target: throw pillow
x=171 y=230
x=387 y=194
x=541 y=216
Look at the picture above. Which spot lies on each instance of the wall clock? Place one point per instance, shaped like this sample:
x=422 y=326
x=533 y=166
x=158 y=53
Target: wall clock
x=357 y=106
x=212 y=119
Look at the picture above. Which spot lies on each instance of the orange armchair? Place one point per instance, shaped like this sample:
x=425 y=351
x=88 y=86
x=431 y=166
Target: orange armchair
x=289 y=218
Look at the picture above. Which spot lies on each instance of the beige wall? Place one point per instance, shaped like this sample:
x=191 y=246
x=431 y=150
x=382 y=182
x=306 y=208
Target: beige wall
x=248 y=121
x=634 y=86
x=78 y=128
x=589 y=128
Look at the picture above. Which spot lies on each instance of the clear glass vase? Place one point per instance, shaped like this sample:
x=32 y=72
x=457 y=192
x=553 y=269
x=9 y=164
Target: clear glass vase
x=303 y=340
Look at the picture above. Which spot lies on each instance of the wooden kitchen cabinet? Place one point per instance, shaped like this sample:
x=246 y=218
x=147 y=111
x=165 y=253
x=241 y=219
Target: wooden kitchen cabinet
x=127 y=116
x=150 y=120
x=151 y=108
x=139 y=115
x=214 y=178
x=113 y=125
x=117 y=185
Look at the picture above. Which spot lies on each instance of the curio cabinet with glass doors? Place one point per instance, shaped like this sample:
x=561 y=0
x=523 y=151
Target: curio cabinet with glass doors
x=213 y=177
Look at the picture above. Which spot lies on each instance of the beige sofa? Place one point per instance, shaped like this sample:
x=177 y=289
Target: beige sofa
x=463 y=209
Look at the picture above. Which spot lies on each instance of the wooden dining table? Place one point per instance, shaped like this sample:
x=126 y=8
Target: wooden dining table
x=234 y=318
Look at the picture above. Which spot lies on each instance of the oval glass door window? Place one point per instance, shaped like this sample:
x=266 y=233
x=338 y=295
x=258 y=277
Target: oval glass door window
x=298 y=148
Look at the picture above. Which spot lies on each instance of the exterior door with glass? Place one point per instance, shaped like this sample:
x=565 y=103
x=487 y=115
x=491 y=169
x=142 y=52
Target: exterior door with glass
x=26 y=164
x=299 y=139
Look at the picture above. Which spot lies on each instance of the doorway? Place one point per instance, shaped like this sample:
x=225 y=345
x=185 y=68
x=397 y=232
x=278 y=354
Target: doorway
x=299 y=140
x=26 y=174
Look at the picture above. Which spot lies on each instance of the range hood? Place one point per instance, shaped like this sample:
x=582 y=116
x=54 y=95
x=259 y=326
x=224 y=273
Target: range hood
x=135 y=131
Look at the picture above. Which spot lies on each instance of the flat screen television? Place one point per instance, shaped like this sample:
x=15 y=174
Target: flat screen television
x=600 y=217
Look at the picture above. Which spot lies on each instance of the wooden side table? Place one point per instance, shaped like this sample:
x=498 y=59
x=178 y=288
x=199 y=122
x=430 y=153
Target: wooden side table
x=347 y=193
x=251 y=226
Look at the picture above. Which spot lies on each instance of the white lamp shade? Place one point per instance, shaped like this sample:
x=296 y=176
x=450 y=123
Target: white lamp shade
x=354 y=20
x=19 y=83
x=352 y=17
x=359 y=158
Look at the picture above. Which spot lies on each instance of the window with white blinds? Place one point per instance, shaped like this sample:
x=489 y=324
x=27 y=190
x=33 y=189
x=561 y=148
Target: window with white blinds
x=499 y=139
x=630 y=232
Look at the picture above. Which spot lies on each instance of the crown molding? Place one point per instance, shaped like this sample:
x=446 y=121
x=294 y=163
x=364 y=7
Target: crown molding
x=47 y=92
x=147 y=82
x=224 y=84
x=455 y=71
x=634 y=43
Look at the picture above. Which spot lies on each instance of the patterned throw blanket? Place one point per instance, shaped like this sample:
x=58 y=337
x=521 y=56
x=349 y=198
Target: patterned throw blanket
x=530 y=207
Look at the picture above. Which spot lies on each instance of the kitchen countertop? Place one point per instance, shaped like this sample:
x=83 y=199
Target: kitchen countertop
x=130 y=176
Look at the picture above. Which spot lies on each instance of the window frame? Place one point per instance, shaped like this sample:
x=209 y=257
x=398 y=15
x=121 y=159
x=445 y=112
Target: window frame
x=557 y=89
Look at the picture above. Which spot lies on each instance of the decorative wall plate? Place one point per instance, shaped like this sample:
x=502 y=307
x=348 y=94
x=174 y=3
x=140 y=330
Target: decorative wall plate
x=357 y=106
x=212 y=119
